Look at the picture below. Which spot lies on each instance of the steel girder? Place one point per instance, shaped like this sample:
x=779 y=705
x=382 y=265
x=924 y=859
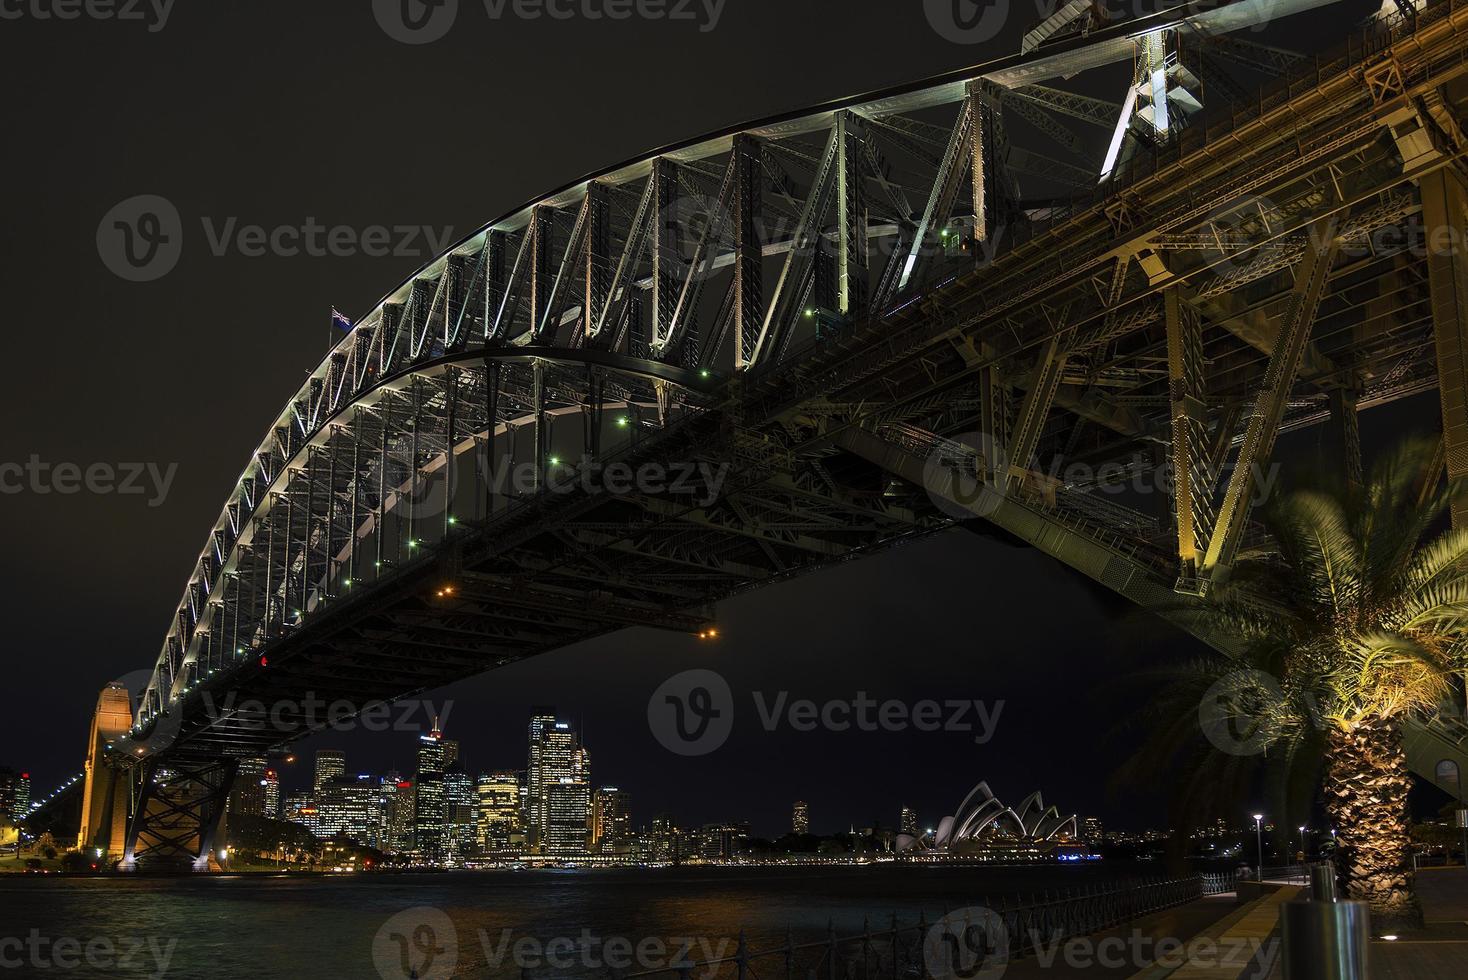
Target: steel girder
x=366 y=466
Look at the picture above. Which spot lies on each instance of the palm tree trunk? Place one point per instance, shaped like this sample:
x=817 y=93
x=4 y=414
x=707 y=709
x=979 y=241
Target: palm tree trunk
x=1366 y=785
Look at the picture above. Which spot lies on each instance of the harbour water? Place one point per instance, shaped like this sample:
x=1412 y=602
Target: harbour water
x=492 y=924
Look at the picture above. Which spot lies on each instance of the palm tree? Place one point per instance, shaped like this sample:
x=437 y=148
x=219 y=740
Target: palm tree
x=1351 y=621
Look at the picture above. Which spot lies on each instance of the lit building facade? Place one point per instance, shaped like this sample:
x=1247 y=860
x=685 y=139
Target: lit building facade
x=908 y=824
x=501 y=824
x=397 y=819
x=247 y=797
x=611 y=823
x=330 y=764
x=15 y=793
x=558 y=797
x=461 y=813
x=429 y=805
x=800 y=818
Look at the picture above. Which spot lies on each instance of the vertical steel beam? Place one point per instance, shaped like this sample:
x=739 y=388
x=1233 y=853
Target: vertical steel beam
x=978 y=125
x=450 y=423
x=494 y=279
x=1192 y=483
x=666 y=234
x=541 y=433
x=946 y=185
x=748 y=258
x=1311 y=277
x=598 y=256
x=542 y=263
x=595 y=402
x=1034 y=409
x=1345 y=433
x=491 y=423
x=1444 y=203
x=851 y=219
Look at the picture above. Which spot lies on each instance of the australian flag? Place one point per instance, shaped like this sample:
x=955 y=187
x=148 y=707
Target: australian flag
x=341 y=321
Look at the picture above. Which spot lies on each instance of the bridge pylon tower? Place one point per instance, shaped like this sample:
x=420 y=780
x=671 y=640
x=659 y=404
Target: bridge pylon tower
x=105 y=798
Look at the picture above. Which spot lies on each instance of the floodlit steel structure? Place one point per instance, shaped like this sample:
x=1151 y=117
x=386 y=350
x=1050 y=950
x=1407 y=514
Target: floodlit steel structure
x=817 y=307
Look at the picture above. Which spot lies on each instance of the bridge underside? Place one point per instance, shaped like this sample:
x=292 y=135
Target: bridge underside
x=434 y=505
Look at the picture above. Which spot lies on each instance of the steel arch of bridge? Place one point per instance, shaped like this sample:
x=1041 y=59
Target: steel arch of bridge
x=1153 y=314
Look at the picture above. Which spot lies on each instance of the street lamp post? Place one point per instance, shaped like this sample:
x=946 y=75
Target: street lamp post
x=1303 y=854
x=1259 y=834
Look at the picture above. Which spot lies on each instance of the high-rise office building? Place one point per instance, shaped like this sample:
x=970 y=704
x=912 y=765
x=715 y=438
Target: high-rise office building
x=429 y=808
x=461 y=813
x=800 y=818
x=909 y=822
x=352 y=806
x=611 y=822
x=270 y=783
x=1091 y=830
x=558 y=803
x=247 y=797
x=450 y=752
x=15 y=793
x=397 y=817
x=301 y=808
x=501 y=826
x=542 y=720
x=567 y=809
x=330 y=764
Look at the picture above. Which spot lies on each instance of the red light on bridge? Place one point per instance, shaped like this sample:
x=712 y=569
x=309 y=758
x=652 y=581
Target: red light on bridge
x=264 y=662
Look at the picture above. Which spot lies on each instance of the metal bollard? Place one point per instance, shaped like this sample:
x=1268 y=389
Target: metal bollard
x=1324 y=939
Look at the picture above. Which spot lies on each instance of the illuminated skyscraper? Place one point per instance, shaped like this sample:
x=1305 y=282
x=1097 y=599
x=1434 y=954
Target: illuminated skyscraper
x=330 y=764
x=501 y=827
x=567 y=808
x=558 y=802
x=429 y=809
x=351 y=806
x=15 y=793
x=909 y=822
x=270 y=783
x=611 y=822
x=247 y=798
x=542 y=721
x=800 y=818
x=461 y=813
x=397 y=819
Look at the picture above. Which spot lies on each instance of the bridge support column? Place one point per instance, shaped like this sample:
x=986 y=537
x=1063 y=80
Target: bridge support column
x=104 y=794
x=178 y=814
x=1445 y=206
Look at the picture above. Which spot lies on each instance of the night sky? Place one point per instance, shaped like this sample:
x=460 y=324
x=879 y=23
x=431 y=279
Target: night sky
x=273 y=112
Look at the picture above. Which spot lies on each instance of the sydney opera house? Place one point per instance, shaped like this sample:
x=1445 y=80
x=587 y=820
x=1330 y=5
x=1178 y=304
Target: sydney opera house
x=983 y=827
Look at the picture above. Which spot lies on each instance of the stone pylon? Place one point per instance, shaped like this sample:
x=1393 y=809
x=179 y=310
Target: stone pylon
x=105 y=796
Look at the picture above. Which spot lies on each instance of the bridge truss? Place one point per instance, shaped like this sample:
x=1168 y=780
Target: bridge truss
x=805 y=316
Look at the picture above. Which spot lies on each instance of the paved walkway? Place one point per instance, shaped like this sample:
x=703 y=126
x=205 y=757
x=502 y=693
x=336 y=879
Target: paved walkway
x=1121 y=952
x=1439 y=951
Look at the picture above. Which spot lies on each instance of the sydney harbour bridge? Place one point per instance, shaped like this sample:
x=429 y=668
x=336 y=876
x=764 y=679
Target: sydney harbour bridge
x=797 y=325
